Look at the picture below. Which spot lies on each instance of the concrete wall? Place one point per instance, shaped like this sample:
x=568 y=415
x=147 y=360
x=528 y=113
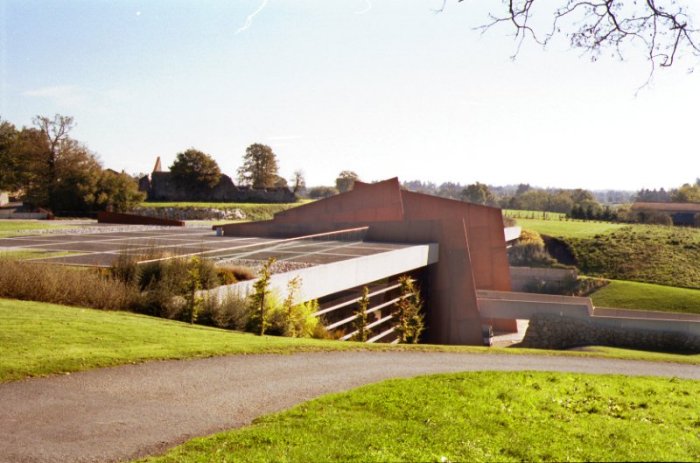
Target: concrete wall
x=323 y=280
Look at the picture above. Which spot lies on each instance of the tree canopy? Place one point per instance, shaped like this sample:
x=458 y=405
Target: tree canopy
x=345 y=181
x=194 y=169
x=49 y=169
x=478 y=193
x=259 y=167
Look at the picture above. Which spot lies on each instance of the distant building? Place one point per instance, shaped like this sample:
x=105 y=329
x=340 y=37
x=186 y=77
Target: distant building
x=159 y=186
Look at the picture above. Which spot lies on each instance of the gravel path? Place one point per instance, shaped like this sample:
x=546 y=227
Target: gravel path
x=121 y=413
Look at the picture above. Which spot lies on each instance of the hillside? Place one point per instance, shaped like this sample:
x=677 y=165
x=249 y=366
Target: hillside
x=646 y=253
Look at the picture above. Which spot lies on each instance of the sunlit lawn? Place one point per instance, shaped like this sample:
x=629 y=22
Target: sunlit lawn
x=478 y=416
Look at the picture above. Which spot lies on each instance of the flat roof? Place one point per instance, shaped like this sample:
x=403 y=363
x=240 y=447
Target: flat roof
x=103 y=249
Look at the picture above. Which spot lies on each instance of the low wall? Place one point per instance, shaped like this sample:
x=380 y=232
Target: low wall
x=523 y=278
x=132 y=219
x=11 y=214
x=550 y=331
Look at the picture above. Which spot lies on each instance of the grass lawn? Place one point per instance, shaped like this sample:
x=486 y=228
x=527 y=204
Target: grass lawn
x=568 y=228
x=645 y=296
x=39 y=339
x=478 y=416
x=25 y=227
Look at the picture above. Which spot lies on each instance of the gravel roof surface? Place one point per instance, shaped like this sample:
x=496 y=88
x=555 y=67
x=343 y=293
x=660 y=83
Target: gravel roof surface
x=117 y=414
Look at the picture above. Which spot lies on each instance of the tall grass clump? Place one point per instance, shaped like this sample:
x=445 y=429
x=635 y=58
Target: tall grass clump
x=64 y=285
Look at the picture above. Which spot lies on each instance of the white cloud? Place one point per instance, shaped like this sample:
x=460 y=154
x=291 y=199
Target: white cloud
x=249 y=19
x=368 y=7
x=69 y=96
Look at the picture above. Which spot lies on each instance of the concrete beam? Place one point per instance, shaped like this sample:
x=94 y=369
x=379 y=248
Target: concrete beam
x=323 y=280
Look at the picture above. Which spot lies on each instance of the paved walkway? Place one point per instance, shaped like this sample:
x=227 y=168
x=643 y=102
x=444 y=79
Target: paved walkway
x=116 y=414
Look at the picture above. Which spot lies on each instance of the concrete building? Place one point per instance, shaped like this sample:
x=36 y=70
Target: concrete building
x=469 y=240
x=457 y=252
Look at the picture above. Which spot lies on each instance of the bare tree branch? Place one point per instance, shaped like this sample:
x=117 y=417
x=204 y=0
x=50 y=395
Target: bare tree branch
x=661 y=27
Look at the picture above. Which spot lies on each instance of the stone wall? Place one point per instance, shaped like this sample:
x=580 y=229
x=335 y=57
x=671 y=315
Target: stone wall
x=523 y=278
x=161 y=187
x=548 y=331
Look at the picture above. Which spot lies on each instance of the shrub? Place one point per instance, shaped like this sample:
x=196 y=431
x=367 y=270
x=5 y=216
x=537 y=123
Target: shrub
x=360 y=323
x=230 y=313
x=407 y=312
x=529 y=251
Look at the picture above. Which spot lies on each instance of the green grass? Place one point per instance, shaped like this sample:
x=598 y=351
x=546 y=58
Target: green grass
x=253 y=211
x=645 y=296
x=644 y=253
x=569 y=228
x=38 y=339
x=25 y=227
x=478 y=416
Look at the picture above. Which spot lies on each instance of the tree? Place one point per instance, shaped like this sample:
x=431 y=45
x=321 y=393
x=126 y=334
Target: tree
x=361 y=322
x=116 y=191
x=407 y=312
x=195 y=169
x=687 y=194
x=663 y=28
x=259 y=167
x=478 y=193
x=298 y=182
x=60 y=172
x=345 y=181
x=13 y=168
x=319 y=192
x=259 y=318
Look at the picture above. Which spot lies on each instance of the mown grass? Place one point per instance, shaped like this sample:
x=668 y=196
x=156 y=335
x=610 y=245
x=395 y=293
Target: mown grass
x=22 y=227
x=644 y=253
x=38 y=339
x=478 y=416
x=646 y=296
x=569 y=228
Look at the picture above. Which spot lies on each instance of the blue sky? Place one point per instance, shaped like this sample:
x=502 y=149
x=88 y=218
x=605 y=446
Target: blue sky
x=382 y=87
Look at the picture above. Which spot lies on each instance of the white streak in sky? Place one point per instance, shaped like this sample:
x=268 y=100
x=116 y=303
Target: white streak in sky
x=249 y=19
x=367 y=8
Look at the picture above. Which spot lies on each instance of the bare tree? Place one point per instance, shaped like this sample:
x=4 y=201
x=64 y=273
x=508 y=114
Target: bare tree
x=663 y=28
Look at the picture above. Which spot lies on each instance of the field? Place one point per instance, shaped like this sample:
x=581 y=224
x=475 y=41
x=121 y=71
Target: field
x=569 y=228
x=478 y=416
x=645 y=296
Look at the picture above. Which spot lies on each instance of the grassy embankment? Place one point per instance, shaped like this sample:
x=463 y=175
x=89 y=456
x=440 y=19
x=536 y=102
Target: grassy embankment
x=646 y=296
x=39 y=339
x=478 y=416
x=252 y=211
x=654 y=254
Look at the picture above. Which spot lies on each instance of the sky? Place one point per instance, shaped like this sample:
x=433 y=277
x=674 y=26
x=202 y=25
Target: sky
x=381 y=87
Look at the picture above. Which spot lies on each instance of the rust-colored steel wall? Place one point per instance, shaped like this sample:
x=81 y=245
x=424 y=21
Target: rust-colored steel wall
x=133 y=219
x=471 y=238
